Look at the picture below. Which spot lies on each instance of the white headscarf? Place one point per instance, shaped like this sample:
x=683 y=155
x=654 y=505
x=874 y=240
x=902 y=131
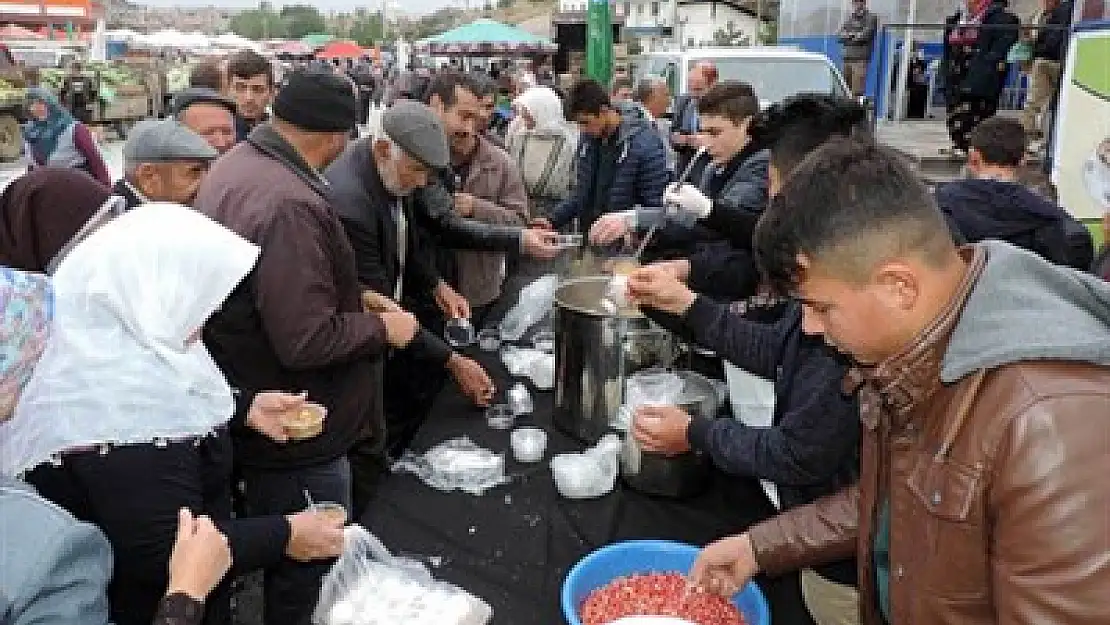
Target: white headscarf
x=119 y=366
x=545 y=107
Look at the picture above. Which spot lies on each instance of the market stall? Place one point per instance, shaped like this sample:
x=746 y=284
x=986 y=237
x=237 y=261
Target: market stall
x=484 y=37
x=513 y=545
x=341 y=50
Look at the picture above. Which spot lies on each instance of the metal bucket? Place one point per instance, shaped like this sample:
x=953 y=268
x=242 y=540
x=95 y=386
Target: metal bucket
x=594 y=351
x=682 y=475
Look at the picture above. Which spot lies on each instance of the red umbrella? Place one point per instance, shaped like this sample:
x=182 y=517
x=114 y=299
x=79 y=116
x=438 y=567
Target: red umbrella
x=341 y=50
x=11 y=32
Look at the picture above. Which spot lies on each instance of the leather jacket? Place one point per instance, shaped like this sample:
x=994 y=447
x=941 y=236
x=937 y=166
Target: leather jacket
x=995 y=485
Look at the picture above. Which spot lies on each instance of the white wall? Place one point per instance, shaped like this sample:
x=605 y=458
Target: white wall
x=702 y=21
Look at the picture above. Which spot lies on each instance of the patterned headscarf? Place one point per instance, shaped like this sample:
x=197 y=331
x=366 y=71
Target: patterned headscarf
x=26 y=308
x=42 y=134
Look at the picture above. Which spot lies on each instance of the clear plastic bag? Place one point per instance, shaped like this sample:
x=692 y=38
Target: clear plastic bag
x=590 y=474
x=532 y=306
x=456 y=464
x=369 y=586
x=651 y=387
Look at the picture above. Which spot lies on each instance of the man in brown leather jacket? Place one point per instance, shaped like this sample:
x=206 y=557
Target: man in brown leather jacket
x=985 y=398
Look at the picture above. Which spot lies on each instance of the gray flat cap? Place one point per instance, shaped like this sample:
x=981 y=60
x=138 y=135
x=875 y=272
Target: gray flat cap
x=416 y=129
x=154 y=141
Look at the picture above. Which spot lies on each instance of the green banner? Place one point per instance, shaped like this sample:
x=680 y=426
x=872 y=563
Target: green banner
x=599 y=42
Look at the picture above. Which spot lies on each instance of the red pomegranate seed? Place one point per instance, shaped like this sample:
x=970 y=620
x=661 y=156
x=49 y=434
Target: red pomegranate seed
x=656 y=594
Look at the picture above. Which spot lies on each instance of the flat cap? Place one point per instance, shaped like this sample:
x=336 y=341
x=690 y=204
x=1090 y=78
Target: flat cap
x=200 y=95
x=415 y=129
x=155 y=141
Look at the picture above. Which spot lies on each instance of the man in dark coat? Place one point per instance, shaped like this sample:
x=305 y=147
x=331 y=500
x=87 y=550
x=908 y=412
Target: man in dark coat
x=297 y=323
x=992 y=204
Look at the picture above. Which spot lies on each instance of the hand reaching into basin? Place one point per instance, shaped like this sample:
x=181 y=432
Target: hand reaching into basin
x=725 y=566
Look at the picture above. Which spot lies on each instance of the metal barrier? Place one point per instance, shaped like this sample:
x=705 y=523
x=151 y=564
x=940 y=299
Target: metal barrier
x=891 y=98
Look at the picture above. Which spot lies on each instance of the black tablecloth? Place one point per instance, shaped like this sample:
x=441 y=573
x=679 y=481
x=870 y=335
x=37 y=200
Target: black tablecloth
x=513 y=545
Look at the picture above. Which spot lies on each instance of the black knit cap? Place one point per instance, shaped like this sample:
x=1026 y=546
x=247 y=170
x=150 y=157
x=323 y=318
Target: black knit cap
x=317 y=100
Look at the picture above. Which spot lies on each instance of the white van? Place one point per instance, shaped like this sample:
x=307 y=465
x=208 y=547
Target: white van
x=775 y=72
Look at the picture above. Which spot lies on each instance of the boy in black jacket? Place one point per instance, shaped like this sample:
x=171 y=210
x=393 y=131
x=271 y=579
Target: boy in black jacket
x=811 y=447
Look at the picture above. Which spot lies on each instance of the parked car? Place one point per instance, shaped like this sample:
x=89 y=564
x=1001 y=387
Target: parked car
x=775 y=72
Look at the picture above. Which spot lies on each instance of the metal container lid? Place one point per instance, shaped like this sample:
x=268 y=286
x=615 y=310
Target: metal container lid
x=584 y=296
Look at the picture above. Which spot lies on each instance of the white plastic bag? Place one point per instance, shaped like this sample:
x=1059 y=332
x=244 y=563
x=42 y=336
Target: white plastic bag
x=456 y=464
x=369 y=586
x=533 y=305
x=590 y=474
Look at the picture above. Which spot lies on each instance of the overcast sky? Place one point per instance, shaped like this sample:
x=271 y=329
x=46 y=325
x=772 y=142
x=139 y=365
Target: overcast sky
x=409 y=6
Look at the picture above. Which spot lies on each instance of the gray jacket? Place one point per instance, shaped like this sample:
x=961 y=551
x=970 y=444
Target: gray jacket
x=54 y=568
x=857 y=35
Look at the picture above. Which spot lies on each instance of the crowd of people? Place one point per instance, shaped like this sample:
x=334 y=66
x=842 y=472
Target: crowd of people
x=939 y=360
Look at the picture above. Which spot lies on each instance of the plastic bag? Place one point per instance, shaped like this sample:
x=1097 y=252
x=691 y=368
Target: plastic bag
x=651 y=387
x=590 y=474
x=533 y=305
x=519 y=360
x=456 y=464
x=369 y=586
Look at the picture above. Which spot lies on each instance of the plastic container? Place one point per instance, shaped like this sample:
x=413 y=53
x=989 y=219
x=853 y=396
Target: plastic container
x=500 y=417
x=331 y=510
x=528 y=444
x=520 y=400
x=644 y=557
x=459 y=332
x=489 y=340
x=307 y=423
x=544 y=341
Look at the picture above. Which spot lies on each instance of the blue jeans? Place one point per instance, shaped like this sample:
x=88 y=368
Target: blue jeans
x=292 y=588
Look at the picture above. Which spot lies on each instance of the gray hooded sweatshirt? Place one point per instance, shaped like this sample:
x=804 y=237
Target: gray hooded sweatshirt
x=1025 y=308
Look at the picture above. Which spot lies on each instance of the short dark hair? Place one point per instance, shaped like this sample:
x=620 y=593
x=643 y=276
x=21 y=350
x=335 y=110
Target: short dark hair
x=208 y=75
x=443 y=84
x=248 y=64
x=586 y=97
x=483 y=85
x=1001 y=141
x=621 y=83
x=798 y=125
x=731 y=99
x=850 y=204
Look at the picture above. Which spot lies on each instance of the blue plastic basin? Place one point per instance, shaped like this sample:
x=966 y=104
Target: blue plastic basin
x=637 y=557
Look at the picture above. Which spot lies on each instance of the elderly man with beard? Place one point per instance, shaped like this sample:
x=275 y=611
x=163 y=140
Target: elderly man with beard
x=371 y=186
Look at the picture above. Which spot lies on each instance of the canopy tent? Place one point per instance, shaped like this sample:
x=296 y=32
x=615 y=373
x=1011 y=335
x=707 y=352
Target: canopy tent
x=341 y=50
x=292 y=48
x=12 y=32
x=235 y=42
x=484 y=37
x=317 y=40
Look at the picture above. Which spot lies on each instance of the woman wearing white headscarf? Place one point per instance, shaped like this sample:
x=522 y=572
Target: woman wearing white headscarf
x=543 y=145
x=123 y=421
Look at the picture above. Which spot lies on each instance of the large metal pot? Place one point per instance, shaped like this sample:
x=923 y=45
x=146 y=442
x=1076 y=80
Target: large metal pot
x=594 y=352
x=684 y=475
